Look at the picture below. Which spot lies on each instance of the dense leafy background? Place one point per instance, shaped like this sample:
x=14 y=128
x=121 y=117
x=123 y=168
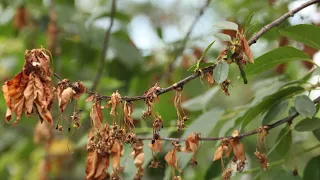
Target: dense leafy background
x=145 y=37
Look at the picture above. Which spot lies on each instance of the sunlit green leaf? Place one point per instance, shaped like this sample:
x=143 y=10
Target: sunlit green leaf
x=268 y=102
x=275 y=57
x=305 y=33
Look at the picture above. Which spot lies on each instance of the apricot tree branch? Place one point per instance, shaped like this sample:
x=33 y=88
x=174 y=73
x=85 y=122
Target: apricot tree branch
x=185 y=39
x=105 y=47
x=280 y=20
x=182 y=82
x=288 y=119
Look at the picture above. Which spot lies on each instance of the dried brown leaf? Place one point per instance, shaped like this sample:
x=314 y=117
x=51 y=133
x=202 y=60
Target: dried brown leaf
x=113 y=102
x=246 y=49
x=96 y=166
x=96 y=115
x=157 y=145
x=66 y=95
x=192 y=142
x=127 y=110
x=219 y=152
x=90 y=98
x=238 y=150
x=79 y=89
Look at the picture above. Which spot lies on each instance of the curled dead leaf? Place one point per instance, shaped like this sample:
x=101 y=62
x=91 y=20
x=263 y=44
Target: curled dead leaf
x=96 y=114
x=156 y=144
x=66 y=95
x=90 y=98
x=263 y=160
x=79 y=89
x=219 y=152
x=113 y=102
x=96 y=166
x=127 y=110
x=192 y=142
x=246 y=49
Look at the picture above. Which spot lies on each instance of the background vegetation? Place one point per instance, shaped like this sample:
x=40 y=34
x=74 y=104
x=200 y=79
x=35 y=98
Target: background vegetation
x=146 y=38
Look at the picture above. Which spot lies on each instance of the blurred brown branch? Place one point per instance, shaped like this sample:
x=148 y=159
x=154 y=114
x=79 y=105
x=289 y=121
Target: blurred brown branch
x=105 y=47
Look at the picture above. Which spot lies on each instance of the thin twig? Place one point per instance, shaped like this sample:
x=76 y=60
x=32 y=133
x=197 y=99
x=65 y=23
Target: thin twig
x=105 y=47
x=182 y=82
x=185 y=39
x=288 y=119
x=280 y=20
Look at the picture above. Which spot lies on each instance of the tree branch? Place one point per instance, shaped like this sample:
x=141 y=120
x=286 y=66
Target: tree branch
x=182 y=82
x=105 y=47
x=288 y=119
x=185 y=40
x=280 y=20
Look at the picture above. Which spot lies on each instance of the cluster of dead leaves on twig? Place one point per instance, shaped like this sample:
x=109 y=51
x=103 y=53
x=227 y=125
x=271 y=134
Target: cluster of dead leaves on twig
x=182 y=118
x=192 y=145
x=31 y=89
x=104 y=142
x=261 y=141
x=149 y=98
x=225 y=149
x=233 y=144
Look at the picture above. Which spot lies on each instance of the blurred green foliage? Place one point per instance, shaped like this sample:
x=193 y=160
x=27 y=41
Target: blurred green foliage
x=133 y=70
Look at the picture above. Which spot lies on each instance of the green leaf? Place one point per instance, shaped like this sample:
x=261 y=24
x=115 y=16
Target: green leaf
x=275 y=57
x=200 y=102
x=268 y=102
x=304 y=106
x=227 y=25
x=308 y=124
x=312 y=169
x=206 y=51
x=275 y=112
x=248 y=24
x=316 y=133
x=222 y=37
x=305 y=33
x=285 y=141
x=214 y=170
x=127 y=53
x=220 y=72
x=200 y=66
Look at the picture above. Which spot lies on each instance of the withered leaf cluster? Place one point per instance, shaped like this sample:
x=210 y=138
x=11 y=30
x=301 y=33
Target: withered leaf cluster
x=261 y=146
x=171 y=157
x=177 y=104
x=104 y=142
x=150 y=96
x=127 y=110
x=67 y=92
x=31 y=89
x=192 y=145
x=229 y=145
x=138 y=159
x=113 y=103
